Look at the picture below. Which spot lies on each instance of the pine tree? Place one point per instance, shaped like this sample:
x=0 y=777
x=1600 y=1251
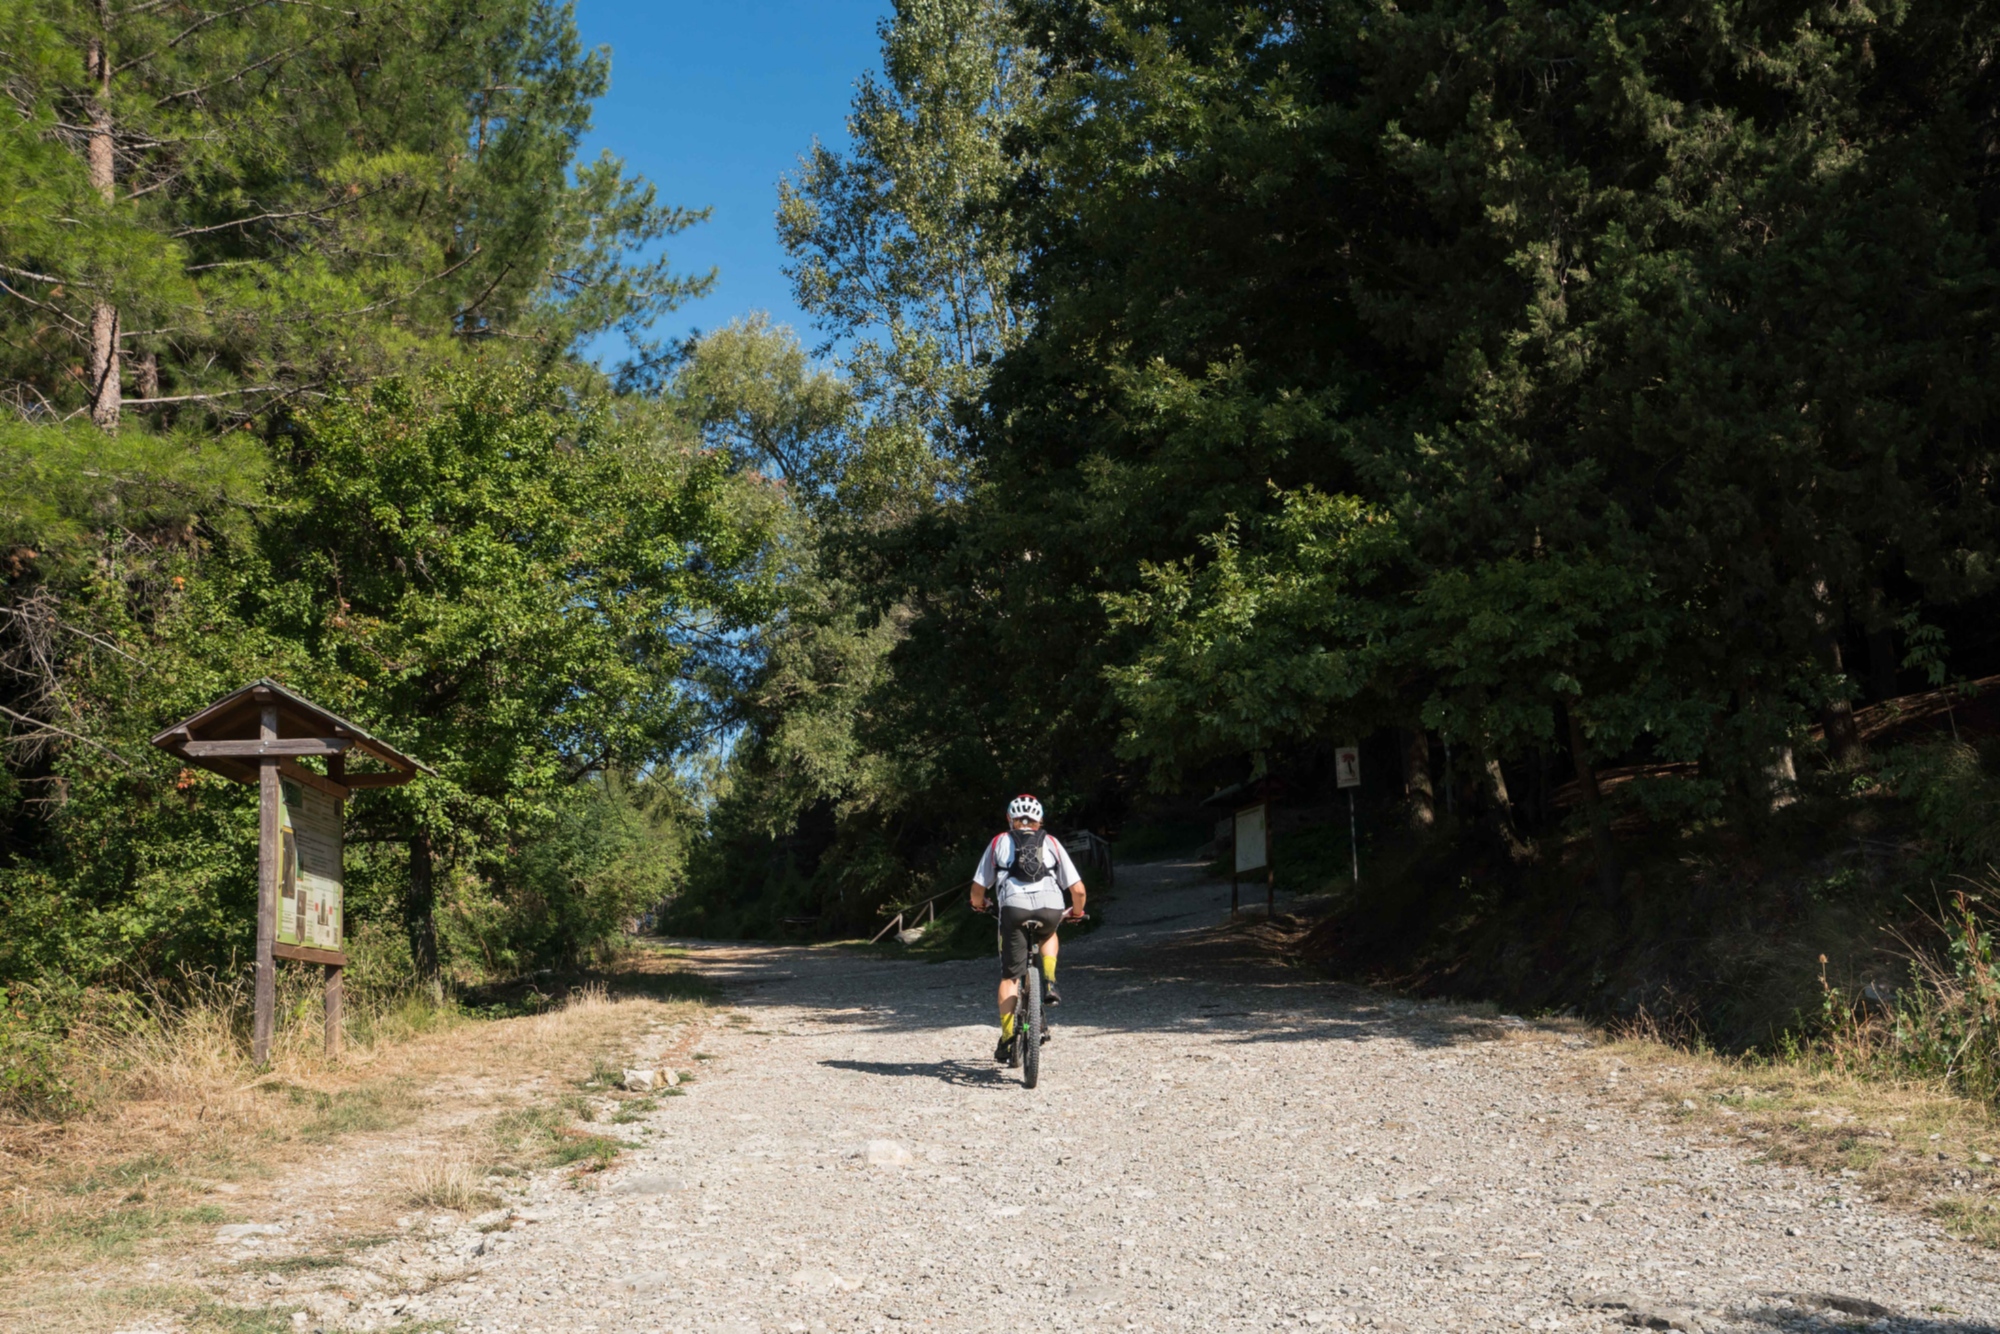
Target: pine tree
x=228 y=210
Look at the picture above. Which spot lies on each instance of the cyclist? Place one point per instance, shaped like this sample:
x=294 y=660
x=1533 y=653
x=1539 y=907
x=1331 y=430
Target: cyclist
x=1034 y=880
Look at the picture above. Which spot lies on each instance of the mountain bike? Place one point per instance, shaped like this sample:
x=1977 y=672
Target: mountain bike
x=1029 y=1030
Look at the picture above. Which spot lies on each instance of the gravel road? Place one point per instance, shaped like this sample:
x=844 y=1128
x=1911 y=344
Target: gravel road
x=1216 y=1144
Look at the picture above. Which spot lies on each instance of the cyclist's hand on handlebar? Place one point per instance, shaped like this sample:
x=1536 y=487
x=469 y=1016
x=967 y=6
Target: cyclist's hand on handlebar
x=1073 y=915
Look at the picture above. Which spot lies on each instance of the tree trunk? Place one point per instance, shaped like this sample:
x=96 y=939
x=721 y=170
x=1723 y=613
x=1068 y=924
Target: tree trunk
x=1417 y=779
x=1882 y=664
x=1496 y=781
x=104 y=371
x=420 y=913
x=1609 y=881
x=105 y=378
x=1503 y=813
x=1881 y=649
x=1783 y=778
x=1836 y=716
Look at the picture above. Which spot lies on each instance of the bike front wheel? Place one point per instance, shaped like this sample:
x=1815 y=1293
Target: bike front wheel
x=1030 y=1041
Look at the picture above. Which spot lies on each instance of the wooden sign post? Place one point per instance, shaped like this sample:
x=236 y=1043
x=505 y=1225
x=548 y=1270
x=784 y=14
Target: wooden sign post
x=1253 y=853
x=258 y=735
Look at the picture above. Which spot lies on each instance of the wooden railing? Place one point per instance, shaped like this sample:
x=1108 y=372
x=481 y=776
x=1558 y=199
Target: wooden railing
x=918 y=915
x=1091 y=850
x=1088 y=850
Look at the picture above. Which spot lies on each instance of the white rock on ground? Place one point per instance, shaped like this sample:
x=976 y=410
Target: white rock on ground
x=1213 y=1147
x=246 y=1231
x=887 y=1153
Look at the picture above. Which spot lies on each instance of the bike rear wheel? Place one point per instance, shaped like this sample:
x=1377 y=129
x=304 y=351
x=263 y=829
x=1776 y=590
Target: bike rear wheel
x=1029 y=1043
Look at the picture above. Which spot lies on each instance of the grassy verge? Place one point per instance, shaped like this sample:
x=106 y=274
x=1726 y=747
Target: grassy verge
x=1895 y=1095
x=180 y=1133
x=1909 y=1143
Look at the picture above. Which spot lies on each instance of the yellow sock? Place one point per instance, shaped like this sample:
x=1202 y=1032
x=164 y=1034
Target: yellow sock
x=1048 y=967
x=1007 y=1025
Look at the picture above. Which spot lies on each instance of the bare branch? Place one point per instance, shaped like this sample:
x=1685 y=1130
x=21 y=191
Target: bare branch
x=30 y=274
x=188 y=32
x=79 y=631
x=279 y=217
x=199 y=398
x=42 y=729
x=40 y=305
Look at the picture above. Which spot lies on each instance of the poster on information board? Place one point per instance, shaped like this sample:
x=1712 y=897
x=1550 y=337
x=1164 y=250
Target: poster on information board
x=1250 y=849
x=309 y=897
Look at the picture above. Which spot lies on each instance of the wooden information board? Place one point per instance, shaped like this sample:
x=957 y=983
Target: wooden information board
x=257 y=735
x=309 y=899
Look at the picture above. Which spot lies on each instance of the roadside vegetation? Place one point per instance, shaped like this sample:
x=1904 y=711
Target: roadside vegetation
x=432 y=1109
x=1589 y=413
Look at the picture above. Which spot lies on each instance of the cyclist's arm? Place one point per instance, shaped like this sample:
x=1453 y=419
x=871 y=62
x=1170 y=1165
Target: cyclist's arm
x=1075 y=890
x=1076 y=896
x=984 y=877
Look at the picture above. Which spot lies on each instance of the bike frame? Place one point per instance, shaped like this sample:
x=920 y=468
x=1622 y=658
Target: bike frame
x=1029 y=1023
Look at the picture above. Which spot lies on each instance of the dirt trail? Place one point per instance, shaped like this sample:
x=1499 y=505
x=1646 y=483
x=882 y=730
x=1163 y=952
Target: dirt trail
x=1216 y=1145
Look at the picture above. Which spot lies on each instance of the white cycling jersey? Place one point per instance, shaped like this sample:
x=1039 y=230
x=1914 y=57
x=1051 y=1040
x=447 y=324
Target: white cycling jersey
x=996 y=866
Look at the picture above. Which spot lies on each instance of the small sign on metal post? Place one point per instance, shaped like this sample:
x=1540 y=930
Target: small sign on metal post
x=1347 y=774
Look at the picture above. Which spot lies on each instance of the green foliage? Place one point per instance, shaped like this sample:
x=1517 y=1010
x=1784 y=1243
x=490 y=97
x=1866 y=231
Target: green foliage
x=250 y=212
x=1956 y=800
x=1251 y=649
x=1947 y=1025
x=33 y=1077
x=519 y=591
x=611 y=851
x=1483 y=272
x=753 y=393
x=1942 y=1028
x=899 y=249
x=520 y=582
x=302 y=199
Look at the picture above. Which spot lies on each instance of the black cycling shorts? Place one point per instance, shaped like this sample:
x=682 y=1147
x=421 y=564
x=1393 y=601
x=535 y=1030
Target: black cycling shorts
x=1014 y=939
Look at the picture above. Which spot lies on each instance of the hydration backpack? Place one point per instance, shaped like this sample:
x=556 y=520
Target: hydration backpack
x=1032 y=860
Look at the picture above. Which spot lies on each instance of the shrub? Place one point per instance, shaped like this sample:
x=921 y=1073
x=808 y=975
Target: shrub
x=1955 y=799
x=1943 y=1027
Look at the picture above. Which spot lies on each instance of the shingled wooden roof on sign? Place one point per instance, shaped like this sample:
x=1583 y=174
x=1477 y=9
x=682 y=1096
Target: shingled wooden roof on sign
x=225 y=738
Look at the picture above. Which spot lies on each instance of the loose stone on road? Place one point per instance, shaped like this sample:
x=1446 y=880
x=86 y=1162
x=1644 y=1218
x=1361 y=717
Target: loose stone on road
x=1215 y=1145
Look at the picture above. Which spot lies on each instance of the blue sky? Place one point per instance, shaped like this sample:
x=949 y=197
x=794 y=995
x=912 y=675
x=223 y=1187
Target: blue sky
x=713 y=102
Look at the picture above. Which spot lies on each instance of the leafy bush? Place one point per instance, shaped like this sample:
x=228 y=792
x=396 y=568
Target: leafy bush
x=33 y=1081
x=1943 y=1027
x=611 y=850
x=1956 y=800
x=1947 y=1025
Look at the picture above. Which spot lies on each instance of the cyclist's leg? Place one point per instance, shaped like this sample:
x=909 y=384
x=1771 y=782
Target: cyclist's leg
x=1014 y=964
x=1047 y=960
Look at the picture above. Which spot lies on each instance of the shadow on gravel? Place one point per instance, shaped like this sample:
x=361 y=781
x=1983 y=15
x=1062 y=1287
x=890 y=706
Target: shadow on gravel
x=965 y=1074
x=1795 y=1321
x=1177 y=966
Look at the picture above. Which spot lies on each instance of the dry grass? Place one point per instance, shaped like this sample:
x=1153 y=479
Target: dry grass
x=1910 y=1143
x=446 y=1176
x=180 y=1132
x=1897 y=1092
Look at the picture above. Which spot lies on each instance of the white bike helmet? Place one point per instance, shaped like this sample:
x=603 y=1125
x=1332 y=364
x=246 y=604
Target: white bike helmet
x=1024 y=807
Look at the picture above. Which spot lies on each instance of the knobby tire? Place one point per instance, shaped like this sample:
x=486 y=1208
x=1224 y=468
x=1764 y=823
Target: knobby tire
x=1028 y=1040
